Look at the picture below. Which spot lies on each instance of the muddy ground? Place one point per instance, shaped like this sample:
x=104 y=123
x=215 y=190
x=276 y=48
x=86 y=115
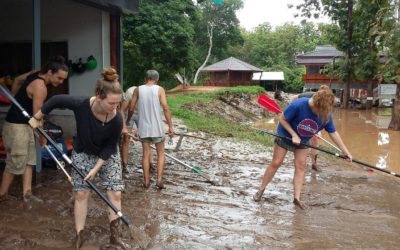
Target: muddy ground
x=347 y=207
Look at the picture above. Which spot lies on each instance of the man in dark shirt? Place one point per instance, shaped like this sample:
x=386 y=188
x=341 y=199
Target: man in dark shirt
x=18 y=137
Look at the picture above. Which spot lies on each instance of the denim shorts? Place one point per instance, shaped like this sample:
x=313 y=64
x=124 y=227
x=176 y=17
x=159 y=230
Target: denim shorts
x=288 y=145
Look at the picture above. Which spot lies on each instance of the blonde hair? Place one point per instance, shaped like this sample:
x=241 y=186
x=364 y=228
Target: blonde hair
x=323 y=101
x=108 y=83
x=324 y=87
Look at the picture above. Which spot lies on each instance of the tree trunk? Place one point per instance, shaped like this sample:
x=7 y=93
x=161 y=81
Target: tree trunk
x=395 y=122
x=349 y=52
x=346 y=89
x=210 y=36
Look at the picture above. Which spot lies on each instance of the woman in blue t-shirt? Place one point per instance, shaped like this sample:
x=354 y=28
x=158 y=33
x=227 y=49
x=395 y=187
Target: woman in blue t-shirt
x=301 y=120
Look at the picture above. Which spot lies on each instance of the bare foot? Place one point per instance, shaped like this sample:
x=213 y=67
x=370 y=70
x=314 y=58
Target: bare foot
x=160 y=184
x=257 y=196
x=146 y=185
x=298 y=203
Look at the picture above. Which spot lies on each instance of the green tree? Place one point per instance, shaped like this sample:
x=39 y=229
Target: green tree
x=369 y=27
x=159 y=36
x=217 y=29
x=386 y=34
x=340 y=12
x=275 y=50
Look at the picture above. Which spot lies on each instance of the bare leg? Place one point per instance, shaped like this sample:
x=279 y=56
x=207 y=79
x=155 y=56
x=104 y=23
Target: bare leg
x=160 y=160
x=125 y=151
x=115 y=198
x=277 y=159
x=6 y=182
x=27 y=180
x=146 y=163
x=314 y=153
x=80 y=209
x=115 y=223
x=300 y=156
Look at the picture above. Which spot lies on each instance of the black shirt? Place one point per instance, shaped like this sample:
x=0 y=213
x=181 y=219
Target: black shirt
x=14 y=114
x=94 y=137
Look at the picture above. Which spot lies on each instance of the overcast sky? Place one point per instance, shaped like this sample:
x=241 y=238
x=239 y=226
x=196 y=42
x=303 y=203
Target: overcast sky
x=275 y=12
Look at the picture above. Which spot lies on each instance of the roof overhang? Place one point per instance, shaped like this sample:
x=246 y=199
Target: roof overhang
x=312 y=64
x=113 y=6
x=226 y=70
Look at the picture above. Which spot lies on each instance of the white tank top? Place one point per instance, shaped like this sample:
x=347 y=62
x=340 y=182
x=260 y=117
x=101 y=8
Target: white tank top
x=149 y=109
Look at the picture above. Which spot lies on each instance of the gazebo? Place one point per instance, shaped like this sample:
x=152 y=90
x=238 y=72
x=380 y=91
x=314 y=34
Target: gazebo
x=230 y=72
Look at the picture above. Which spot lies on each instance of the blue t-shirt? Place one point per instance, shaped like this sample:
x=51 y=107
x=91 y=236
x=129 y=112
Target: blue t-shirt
x=303 y=121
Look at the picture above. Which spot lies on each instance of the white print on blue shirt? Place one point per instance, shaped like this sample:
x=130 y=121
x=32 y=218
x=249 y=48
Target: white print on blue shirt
x=307 y=128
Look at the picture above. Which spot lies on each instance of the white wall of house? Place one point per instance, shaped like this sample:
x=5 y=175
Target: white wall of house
x=82 y=27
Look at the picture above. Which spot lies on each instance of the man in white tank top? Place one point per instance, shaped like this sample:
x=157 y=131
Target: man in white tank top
x=150 y=98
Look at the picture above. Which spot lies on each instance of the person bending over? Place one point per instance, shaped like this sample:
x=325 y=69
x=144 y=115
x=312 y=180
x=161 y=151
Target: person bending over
x=99 y=126
x=30 y=91
x=300 y=121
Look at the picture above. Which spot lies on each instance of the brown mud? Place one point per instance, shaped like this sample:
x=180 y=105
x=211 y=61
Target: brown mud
x=346 y=207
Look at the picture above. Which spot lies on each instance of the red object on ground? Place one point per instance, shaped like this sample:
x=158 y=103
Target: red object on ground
x=268 y=103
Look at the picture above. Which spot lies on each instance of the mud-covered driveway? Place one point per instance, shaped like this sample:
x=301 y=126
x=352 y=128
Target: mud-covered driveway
x=347 y=207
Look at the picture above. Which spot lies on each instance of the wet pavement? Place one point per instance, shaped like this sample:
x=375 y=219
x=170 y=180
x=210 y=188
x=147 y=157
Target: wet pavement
x=347 y=207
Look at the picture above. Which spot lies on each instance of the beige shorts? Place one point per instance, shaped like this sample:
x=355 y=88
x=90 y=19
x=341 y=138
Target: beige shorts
x=152 y=140
x=19 y=144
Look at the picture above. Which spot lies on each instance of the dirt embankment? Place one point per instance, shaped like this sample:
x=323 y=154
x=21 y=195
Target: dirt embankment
x=240 y=108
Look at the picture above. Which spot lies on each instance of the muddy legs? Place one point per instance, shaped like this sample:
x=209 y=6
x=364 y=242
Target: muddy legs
x=80 y=238
x=257 y=196
x=116 y=234
x=314 y=165
x=298 y=203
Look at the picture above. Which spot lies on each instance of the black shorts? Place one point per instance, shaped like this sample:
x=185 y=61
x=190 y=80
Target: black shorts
x=288 y=145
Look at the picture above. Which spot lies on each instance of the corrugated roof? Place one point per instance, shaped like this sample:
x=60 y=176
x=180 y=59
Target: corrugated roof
x=322 y=51
x=322 y=55
x=317 y=61
x=231 y=64
x=272 y=76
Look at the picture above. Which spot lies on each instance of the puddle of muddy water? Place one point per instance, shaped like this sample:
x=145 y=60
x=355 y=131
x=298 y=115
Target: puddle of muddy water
x=365 y=134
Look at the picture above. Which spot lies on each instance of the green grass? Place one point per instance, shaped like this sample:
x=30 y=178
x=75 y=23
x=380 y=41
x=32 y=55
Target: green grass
x=215 y=124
